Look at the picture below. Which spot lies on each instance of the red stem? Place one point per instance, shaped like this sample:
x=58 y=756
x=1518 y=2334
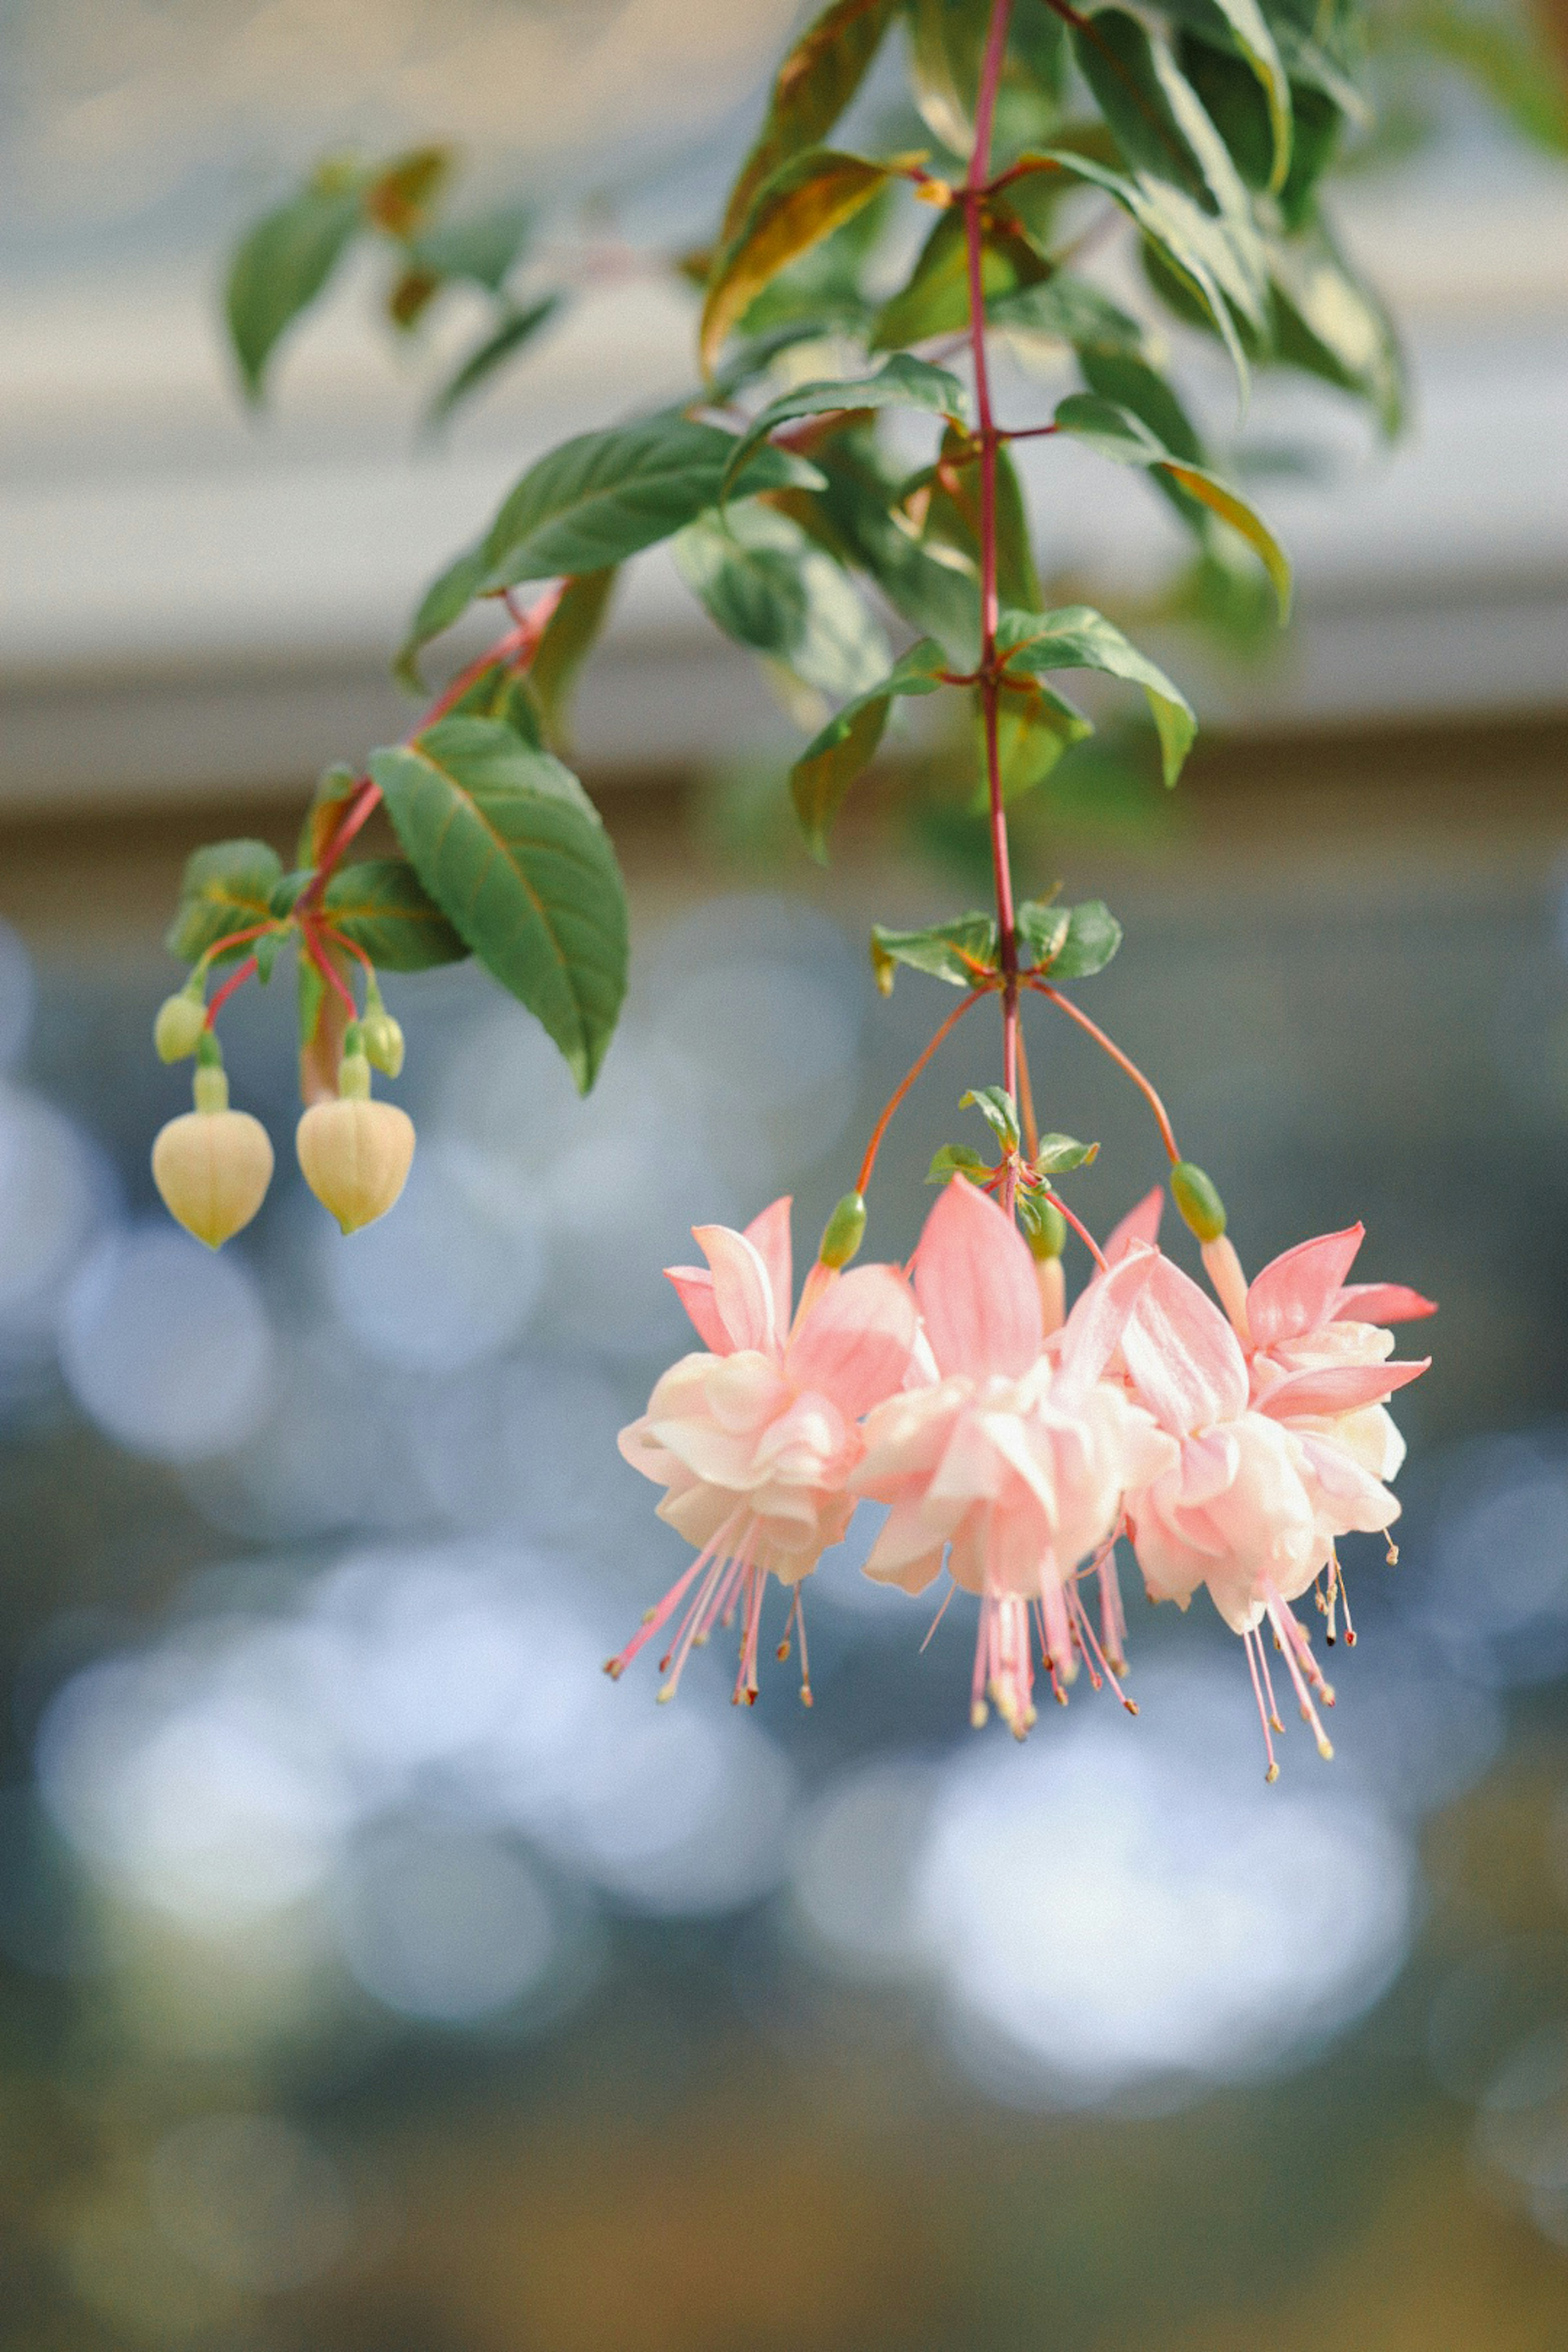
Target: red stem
x=236 y=980
x=1081 y=1230
x=328 y=971
x=901 y=1089
x=517 y=649
x=1124 y=1061
x=235 y=939
x=1001 y=864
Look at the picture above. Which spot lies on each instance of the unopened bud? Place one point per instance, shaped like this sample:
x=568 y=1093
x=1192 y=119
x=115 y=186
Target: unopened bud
x=177 y=1031
x=212 y=1165
x=1044 y=1227
x=383 y=1041
x=355 y=1153
x=1196 y=1197
x=844 y=1232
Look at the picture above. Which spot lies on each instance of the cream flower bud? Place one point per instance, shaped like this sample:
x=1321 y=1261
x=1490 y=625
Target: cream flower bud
x=213 y=1166
x=355 y=1153
x=177 y=1031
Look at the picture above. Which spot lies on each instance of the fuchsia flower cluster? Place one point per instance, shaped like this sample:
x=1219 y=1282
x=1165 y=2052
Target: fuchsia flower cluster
x=1016 y=1445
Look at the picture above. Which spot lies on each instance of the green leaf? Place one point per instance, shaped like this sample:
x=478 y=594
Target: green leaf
x=499 y=692
x=336 y=788
x=1114 y=432
x=516 y=329
x=225 y=888
x=958 y=1160
x=383 y=907
x=1135 y=383
x=947 y=44
x=282 y=263
x=811 y=90
x=483 y=249
x=805 y=202
x=446 y=599
x=511 y=849
x=846 y=745
x=1068 y=942
x=1109 y=430
x=935 y=299
x=1070 y=310
x=1242 y=26
x=1035 y=724
x=961 y=952
x=770 y=586
x=935 y=592
x=1078 y=637
x=1058 y=1155
x=1190 y=242
x=999 y=1111
x=570 y=636
x=1160 y=122
x=902 y=382
x=952 y=516
x=1329 y=321
x=605 y=495
x=1233 y=509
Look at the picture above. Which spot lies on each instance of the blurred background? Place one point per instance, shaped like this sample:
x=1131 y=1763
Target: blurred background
x=375 y=1973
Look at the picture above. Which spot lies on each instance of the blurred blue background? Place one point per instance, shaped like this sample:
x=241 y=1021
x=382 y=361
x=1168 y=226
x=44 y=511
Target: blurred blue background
x=375 y=1973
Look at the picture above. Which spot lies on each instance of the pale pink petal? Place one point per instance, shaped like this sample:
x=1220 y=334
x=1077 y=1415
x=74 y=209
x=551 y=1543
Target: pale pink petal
x=1381 y=1302
x=1092 y=1332
x=742 y=1290
x=1296 y=1291
x=1339 y=1388
x=1343 y=1491
x=694 y=1288
x=1182 y=1354
x=975 y=1282
x=905 y=1552
x=1140 y=1224
x=769 y=1236
x=855 y=1345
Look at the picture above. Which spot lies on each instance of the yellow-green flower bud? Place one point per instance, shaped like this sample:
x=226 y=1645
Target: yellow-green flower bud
x=212 y=1165
x=844 y=1232
x=177 y=1031
x=355 y=1153
x=1197 y=1199
x=383 y=1041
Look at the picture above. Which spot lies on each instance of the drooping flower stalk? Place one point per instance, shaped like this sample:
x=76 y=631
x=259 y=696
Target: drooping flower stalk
x=975 y=196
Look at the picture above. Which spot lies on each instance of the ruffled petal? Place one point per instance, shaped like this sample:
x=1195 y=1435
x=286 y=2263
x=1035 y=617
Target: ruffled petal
x=1182 y=1355
x=1297 y=1290
x=856 y=1344
x=975 y=1282
x=907 y=1550
x=769 y=1236
x=742 y=1288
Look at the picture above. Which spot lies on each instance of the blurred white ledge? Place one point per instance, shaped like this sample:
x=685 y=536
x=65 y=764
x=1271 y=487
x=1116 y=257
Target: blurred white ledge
x=192 y=602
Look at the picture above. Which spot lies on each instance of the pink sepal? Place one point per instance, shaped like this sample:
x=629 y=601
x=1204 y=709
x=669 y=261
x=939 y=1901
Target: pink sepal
x=975 y=1282
x=1296 y=1291
x=1338 y=1388
x=1381 y=1302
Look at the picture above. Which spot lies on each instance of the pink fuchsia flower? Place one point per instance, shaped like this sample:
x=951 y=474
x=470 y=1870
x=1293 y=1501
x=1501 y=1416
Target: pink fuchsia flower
x=1319 y=1360
x=754 y=1439
x=1232 y=1511
x=1014 y=1463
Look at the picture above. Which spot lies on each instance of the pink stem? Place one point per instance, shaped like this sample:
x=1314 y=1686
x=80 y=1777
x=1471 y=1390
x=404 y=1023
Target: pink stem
x=236 y=980
x=1001 y=864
